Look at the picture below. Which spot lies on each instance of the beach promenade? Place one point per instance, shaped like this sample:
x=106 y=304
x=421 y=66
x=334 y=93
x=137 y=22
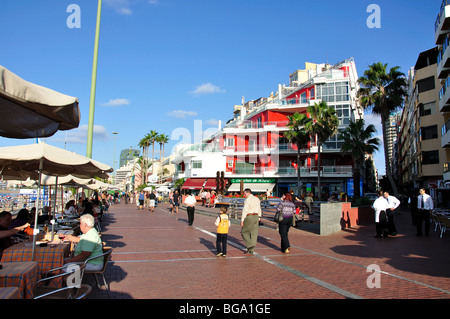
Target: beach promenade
x=158 y=256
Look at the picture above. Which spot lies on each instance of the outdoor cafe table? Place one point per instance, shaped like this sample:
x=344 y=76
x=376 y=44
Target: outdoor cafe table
x=22 y=275
x=49 y=257
x=9 y=293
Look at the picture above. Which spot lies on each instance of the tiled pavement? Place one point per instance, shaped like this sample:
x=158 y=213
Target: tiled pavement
x=158 y=256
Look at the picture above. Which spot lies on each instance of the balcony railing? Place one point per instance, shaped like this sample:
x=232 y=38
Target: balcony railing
x=292 y=172
x=441 y=12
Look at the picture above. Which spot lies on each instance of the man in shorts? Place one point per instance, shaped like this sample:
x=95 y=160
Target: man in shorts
x=176 y=201
x=152 y=197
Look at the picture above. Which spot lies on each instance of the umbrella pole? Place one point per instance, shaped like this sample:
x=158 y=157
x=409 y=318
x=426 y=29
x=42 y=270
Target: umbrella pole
x=54 y=209
x=35 y=230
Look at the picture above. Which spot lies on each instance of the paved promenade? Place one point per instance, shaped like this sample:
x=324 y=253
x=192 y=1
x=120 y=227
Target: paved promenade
x=157 y=255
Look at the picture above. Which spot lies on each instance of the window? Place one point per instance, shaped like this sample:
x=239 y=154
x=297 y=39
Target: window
x=229 y=142
x=333 y=92
x=431 y=157
x=259 y=122
x=230 y=163
x=196 y=164
x=428 y=133
x=303 y=98
x=427 y=109
x=425 y=84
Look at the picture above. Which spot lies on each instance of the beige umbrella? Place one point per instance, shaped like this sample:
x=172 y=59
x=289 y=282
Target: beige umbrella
x=30 y=111
x=50 y=160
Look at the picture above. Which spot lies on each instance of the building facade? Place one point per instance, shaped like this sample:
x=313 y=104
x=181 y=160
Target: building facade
x=442 y=40
x=252 y=148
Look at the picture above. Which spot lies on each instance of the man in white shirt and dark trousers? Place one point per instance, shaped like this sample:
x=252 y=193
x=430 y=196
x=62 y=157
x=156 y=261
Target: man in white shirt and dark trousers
x=424 y=206
x=393 y=203
x=380 y=207
x=190 y=202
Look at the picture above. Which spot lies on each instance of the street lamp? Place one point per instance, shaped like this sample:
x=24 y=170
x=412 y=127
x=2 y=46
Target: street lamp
x=93 y=84
x=114 y=156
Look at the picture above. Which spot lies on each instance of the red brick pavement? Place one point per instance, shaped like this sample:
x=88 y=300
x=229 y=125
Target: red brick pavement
x=157 y=255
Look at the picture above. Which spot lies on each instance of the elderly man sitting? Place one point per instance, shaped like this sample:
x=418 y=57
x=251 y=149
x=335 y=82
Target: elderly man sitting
x=88 y=245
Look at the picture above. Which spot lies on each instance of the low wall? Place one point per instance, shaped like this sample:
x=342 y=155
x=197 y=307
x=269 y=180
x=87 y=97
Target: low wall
x=338 y=216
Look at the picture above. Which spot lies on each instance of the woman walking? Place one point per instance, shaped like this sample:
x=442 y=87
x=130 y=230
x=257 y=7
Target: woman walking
x=287 y=208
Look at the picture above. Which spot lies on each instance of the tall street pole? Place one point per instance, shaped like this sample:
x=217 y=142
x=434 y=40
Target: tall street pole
x=93 y=85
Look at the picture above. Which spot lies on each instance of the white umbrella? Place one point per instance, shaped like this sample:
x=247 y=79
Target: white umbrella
x=164 y=189
x=30 y=111
x=50 y=160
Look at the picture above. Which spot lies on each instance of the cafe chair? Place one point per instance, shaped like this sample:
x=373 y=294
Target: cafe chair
x=71 y=292
x=107 y=251
x=43 y=290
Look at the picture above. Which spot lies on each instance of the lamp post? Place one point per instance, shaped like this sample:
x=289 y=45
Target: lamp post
x=114 y=156
x=93 y=84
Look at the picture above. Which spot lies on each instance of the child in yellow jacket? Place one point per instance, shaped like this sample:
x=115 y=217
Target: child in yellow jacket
x=223 y=224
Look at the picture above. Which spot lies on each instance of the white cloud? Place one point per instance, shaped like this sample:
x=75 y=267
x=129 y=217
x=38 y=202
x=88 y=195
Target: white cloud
x=79 y=135
x=207 y=88
x=212 y=122
x=117 y=102
x=181 y=114
x=120 y=6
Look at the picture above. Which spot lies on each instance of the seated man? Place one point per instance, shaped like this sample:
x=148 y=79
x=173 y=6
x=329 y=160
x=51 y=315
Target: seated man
x=88 y=245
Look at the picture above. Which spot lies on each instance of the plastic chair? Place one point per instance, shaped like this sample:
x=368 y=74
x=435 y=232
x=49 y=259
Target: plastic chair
x=42 y=289
x=107 y=251
x=71 y=292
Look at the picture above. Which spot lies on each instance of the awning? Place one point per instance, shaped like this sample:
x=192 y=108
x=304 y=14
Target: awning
x=211 y=183
x=255 y=187
x=193 y=183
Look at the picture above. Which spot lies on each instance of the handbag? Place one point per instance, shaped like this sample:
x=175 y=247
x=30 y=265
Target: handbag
x=278 y=217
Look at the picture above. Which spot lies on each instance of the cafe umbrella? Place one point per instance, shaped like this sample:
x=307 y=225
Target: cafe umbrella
x=42 y=158
x=32 y=111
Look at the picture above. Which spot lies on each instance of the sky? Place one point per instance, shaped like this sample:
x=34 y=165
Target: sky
x=179 y=66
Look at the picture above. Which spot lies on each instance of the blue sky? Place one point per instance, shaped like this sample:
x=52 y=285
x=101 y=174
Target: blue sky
x=165 y=63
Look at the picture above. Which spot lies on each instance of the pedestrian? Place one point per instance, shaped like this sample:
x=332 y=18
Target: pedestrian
x=171 y=201
x=190 y=202
x=141 y=200
x=251 y=214
x=393 y=203
x=152 y=199
x=308 y=202
x=424 y=206
x=223 y=223
x=287 y=208
x=203 y=196
x=176 y=201
x=380 y=206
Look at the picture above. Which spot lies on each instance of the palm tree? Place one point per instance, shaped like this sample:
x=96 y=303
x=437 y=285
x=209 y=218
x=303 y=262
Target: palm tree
x=324 y=125
x=162 y=139
x=298 y=135
x=144 y=144
x=359 y=141
x=152 y=139
x=383 y=93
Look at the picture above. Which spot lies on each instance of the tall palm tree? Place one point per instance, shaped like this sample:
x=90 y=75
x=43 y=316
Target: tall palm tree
x=359 y=141
x=324 y=125
x=152 y=139
x=383 y=92
x=162 y=140
x=298 y=135
x=144 y=144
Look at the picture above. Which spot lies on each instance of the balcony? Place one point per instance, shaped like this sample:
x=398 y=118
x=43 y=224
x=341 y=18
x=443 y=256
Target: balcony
x=327 y=171
x=443 y=59
x=444 y=96
x=442 y=24
x=445 y=133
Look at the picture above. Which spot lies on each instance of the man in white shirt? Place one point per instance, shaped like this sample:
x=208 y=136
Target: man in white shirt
x=251 y=214
x=190 y=202
x=392 y=203
x=380 y=207
x=424 y=206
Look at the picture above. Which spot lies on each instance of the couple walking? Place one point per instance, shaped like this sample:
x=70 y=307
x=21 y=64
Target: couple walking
x=251 y=214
